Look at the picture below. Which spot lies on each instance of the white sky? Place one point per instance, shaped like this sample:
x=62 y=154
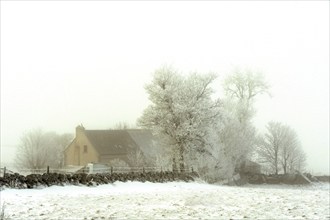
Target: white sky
x=66 y=63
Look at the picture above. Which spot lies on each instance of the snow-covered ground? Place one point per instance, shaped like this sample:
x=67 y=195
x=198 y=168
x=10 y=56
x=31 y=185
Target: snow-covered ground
x=134 y=200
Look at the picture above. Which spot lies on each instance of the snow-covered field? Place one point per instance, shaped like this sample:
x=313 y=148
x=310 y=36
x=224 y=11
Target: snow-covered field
x=134 y=200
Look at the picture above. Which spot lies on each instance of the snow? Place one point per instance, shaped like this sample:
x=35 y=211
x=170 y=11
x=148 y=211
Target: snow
x=176 y=200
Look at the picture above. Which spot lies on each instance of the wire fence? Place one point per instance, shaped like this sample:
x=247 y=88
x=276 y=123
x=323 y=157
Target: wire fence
x=92 y=169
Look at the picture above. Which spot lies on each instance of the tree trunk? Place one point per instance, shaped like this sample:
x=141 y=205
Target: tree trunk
x=174 y=166
x=276 y=159
x=284 y=166
x=276 y=165
x=181 y=159
x=181 y=164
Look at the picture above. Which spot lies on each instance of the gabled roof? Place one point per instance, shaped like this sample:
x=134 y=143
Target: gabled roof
x=113 y=142
x=119 y=142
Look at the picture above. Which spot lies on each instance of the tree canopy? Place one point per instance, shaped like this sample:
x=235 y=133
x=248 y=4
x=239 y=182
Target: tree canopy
x=182 y=111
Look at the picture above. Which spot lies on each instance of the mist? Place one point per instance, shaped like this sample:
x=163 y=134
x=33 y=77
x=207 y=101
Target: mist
x=90 y=64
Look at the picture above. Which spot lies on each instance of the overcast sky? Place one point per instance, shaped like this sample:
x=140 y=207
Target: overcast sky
x=67 y=63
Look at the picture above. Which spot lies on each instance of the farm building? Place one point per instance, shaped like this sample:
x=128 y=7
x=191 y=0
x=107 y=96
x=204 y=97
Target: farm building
x=104 y=146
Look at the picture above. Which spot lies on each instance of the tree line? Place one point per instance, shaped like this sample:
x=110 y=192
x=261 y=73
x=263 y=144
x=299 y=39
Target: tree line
x=214 y=134
x=217 y=133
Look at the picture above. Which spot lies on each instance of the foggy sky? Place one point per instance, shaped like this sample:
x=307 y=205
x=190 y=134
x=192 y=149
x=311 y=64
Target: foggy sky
x=67 y=63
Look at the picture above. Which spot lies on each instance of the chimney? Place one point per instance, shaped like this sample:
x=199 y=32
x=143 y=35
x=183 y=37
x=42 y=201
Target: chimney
x=80 y=129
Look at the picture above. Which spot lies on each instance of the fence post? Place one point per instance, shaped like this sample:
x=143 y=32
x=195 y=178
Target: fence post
x=111 y=170
x=4 y=171
x=47 y=169
x=192 y=169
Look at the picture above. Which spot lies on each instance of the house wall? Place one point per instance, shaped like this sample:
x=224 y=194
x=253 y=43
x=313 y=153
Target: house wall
x=69 y=154
x=75 y=153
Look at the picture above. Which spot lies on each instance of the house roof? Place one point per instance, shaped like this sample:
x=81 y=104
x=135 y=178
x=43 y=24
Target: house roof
x=110 y=141
x=118 y=142
x=146 y=142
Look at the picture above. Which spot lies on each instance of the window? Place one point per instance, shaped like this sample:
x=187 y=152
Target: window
x=85 y=148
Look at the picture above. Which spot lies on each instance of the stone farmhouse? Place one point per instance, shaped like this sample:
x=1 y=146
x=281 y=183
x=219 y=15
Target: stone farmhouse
x=104 y=146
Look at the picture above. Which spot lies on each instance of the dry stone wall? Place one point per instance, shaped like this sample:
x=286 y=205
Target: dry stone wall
x=48 y=179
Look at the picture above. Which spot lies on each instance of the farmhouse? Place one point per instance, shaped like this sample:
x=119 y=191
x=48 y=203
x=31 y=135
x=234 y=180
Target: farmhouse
x=104 y=146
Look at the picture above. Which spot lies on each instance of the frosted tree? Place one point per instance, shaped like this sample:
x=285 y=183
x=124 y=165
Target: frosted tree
x=297 y=161
x=137 y=159
x=32 y=152
x=38 y=149
x=280 y=148
x=238 y=134
x=292 y=157
x=242 y=87
x=122 y=126
x=289 y=147
x=237 y=141
x=181 y=112
x=163 y=161
x=270 y=145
